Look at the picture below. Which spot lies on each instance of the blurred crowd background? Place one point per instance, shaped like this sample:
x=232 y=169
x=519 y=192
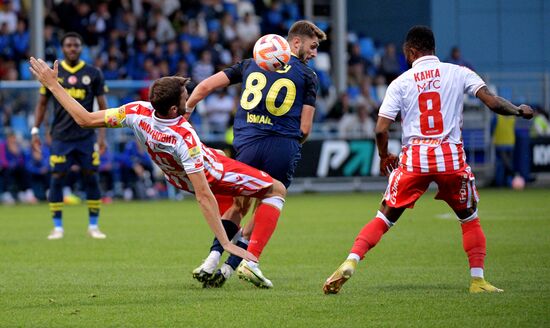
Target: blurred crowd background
x=144 y=40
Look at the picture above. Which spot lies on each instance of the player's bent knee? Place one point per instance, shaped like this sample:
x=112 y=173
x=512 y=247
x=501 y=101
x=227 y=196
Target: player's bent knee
x=278 y=189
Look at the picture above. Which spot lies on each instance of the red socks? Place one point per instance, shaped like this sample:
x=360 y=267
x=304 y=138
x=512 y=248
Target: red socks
x=369 y=236
x=265 y=218
x=473 y=240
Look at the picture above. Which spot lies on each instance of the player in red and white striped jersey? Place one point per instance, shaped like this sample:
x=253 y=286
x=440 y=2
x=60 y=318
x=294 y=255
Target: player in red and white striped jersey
x=175 y=147
x=429 y=98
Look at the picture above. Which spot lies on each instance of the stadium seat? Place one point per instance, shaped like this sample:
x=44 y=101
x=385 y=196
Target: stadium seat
x=24 y=73
x=368 y=50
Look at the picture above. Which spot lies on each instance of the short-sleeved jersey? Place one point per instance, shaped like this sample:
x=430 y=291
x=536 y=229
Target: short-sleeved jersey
x=271 y=102
x=82 y=82
x=172 y=144
x=429 y=97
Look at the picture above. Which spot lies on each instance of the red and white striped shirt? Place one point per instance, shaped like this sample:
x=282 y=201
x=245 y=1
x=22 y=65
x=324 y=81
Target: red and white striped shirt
x=172 y=144
x=430 y=97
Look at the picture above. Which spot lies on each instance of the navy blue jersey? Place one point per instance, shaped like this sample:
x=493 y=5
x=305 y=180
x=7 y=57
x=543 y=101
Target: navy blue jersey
x=83 y=82
x=271 y=102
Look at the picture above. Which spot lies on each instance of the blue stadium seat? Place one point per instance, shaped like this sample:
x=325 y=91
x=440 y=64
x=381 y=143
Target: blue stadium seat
x=368 y=50
x=24 y=73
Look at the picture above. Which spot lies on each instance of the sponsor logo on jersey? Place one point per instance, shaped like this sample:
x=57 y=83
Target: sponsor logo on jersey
x=395 y=188
x=86 y=80
x=425 y=141
x=72 y=80
x=195 y=151
x=463 y=192
x=76 y=93
x=258 y=119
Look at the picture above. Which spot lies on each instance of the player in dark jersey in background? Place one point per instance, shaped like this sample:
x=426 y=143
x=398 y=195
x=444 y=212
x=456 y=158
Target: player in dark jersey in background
x=70 y=143
x=274 y=118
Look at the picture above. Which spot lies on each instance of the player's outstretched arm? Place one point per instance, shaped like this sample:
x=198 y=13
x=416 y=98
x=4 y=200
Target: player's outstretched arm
x=48 y=78
x=209 y=208
x=203 y=89
x=502 y=106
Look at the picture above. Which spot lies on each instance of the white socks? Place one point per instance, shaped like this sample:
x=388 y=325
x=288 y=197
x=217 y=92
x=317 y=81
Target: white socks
x=476 y=272
x=353 y=256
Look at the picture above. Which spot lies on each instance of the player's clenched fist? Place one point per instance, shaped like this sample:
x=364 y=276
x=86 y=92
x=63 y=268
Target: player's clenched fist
x=525 y=112
x=388 y=164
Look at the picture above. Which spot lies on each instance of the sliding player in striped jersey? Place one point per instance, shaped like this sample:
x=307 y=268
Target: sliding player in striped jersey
x=174 y=146
x=429 y=97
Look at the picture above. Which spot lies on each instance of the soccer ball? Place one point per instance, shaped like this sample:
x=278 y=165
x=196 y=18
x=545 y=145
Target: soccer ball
x=271 y=52
x=518 y=183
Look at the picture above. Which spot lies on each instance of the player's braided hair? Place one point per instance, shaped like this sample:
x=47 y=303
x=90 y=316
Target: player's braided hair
x=166 y=92
x=420 y=38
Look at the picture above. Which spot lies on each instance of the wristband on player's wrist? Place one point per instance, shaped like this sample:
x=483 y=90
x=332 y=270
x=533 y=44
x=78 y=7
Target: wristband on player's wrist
x=35 y=131
x=189 y=110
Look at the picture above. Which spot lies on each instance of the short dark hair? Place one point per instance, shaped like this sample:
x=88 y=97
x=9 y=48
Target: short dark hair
x=420 y=38
x=166 y=92
x=306 y=28
x=71 y=35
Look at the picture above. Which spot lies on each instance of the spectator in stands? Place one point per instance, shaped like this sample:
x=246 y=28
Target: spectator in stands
x=187 y=53
x=20 y=41
x=172 y=56
x=164 y=30
x=273 y=20
x=62 y=14
x=367 y=109
x=228 y=28
x=13 y=170
x=101 y=22
x=360 y=63
x=136 y=171
x=218 y=109
x=51 y=44
x=389 y=63
x=38 y=165
x=6 y=50
x=113 y=70
x=106 y=172
x=540 y=127
x=455 y=57
x=8 y=16
x=504 y=138
x=248 y=30
x=80 y=23
x=203 y=68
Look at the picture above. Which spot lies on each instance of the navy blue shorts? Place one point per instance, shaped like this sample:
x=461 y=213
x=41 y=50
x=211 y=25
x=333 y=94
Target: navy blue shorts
x=64 y=154
x=277 y=156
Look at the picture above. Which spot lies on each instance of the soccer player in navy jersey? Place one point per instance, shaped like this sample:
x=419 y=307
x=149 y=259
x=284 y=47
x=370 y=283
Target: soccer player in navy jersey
x=72 y=144
x=273 y=119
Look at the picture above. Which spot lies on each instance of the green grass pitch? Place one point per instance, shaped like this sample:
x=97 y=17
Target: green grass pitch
x=140 y=276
